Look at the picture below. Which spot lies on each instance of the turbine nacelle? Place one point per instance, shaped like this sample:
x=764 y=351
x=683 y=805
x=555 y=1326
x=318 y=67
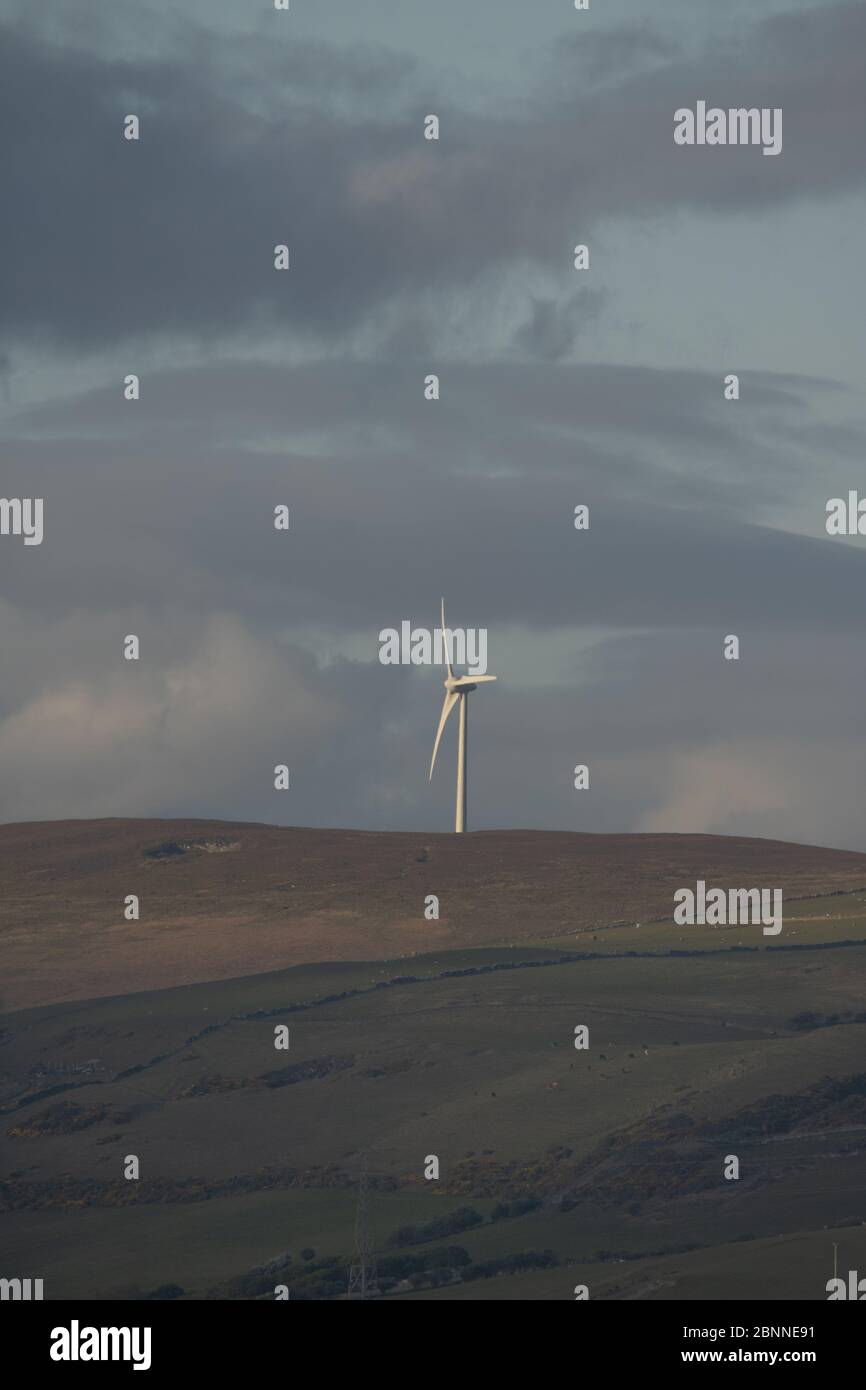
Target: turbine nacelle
x=463 y=684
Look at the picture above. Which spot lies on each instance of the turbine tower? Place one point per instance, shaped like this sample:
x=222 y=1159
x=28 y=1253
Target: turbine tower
x=457 y=689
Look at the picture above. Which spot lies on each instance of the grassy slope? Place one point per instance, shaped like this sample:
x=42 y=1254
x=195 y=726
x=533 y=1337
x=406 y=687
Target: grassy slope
x=709 y=1037
x=241 y=899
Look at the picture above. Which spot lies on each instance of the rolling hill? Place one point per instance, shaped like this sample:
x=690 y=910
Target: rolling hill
x=558 y=1165
x=220 y=900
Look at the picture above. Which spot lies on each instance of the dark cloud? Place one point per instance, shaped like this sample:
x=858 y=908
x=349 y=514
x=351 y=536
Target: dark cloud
x=260 y=647
x=111 y=239
x=552 y=329
x=609 y=55
x=171 y=498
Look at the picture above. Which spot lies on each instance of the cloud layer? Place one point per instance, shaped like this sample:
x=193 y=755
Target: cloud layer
x=306 y=389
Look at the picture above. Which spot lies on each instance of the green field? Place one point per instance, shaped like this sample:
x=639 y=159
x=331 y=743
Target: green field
x=248 y=1155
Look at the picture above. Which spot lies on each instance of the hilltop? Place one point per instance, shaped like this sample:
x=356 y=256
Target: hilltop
x=223 y=900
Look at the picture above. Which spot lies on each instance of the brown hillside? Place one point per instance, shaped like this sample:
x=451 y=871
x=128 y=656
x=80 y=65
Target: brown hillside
x=221 y=899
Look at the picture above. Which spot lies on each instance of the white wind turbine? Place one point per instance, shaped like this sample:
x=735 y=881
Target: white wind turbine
x=456 y=688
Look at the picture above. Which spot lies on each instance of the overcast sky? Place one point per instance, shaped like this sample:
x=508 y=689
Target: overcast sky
x=558 y=387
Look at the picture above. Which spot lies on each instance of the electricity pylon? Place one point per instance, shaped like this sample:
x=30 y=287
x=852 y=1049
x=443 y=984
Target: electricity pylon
x=363 y=1279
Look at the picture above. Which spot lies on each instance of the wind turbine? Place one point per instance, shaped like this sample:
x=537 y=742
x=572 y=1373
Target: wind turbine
x=457 y=688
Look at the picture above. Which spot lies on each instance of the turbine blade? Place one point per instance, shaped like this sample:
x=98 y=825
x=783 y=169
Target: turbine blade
x=450 y=701
x=476 y=680
x=445 y=643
